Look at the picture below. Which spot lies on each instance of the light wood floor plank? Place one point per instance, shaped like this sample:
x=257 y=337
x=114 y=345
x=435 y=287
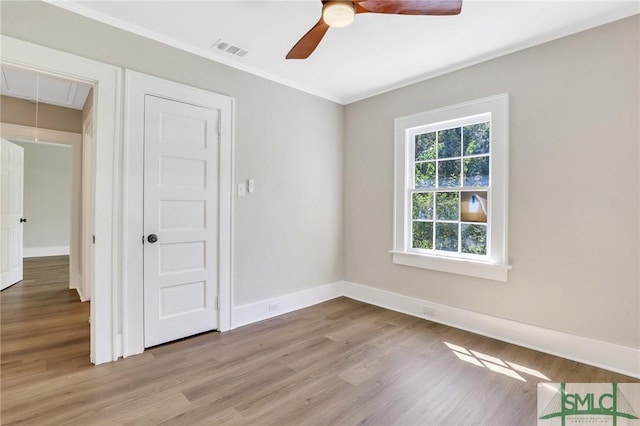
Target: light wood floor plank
x=338 y=363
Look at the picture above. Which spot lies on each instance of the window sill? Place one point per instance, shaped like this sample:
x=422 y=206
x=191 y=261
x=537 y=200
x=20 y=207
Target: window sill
x=489 y=271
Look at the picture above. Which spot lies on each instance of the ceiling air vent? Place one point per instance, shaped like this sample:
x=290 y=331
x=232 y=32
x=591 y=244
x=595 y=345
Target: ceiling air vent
x=226 y=47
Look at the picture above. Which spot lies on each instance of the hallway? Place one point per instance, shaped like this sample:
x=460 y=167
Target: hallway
x=45 y=328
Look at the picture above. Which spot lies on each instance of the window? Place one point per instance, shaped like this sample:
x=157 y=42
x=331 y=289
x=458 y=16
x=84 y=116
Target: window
x=451 y=189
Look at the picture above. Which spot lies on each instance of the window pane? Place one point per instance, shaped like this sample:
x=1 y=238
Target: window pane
x=447 y=236
x=426 y=146
x=473 y=206
x=425 y=175
x=476 y=139
x=449 y=143
x=423 y=235
x=476 y=171
x=423 y=206
x=474 y=239
x=447 y=206
x=449 y=173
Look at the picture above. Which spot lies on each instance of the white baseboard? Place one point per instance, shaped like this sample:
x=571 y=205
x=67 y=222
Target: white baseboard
x=80 y=294
x=610 y=356
x=258 y=311
x=118 y=345
x=45 y=251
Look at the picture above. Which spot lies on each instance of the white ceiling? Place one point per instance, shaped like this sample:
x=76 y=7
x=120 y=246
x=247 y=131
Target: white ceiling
x=375 y=54
x=32 y=86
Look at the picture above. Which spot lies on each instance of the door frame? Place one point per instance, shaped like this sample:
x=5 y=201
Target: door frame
x=88 y=204
x=73 y=141
x=107 y=80
x=136 y=87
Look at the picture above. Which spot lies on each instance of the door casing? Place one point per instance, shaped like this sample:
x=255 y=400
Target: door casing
x=105 y=307
x=137 y=86
x=88 y=205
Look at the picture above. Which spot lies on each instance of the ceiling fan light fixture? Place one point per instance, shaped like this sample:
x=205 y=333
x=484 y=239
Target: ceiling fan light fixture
x=338 y=14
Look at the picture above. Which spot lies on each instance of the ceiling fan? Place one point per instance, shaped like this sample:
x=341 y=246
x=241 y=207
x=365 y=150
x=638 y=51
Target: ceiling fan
x=340 y=13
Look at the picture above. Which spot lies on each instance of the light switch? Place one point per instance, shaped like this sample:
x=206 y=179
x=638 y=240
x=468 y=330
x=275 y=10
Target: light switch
x=250 y=185
x=242 y=190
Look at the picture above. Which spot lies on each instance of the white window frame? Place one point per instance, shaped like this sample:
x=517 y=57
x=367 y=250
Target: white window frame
x=495 y=265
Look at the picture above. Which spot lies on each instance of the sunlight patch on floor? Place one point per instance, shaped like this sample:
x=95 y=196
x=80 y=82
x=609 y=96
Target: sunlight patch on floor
x=527 y=370
x=495 y=364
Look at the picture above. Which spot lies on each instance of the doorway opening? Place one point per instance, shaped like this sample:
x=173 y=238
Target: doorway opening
x=46 y=115
x=106 y=325
x=50 y=119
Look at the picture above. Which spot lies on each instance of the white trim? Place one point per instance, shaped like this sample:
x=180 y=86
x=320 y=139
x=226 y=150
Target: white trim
x=225 y=234
x=118 y=343
x=46 y=251
x=494 y=266
x=107 y=81
x=258 y=311
x=204 y=53
x=137 y=85
x=489 y=271
x=630 y=10
x=80 y=294
x=610 y=356
x=598 y=353
x=88 y=205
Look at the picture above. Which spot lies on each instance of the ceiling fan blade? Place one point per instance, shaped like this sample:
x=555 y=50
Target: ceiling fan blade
x=409 y=7
x=308 y=43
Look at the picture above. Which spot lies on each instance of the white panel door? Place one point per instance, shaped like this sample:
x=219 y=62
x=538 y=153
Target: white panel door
x=181 y=211
x=11 y=206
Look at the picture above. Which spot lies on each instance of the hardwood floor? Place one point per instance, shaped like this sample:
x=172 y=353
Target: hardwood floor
x=339 y=363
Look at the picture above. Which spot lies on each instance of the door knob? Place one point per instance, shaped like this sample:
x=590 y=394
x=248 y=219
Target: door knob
x=152 y=238
x=23 y=220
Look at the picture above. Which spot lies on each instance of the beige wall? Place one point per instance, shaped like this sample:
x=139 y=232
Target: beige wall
x=47 y=195
x=573 y=188
x=23 y=112
x=288 y=234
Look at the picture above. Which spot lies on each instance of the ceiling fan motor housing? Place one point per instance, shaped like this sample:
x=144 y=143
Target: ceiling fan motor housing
x=338 y=14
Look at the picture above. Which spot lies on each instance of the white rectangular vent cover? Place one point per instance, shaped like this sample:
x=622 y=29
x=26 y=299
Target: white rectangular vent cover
x=226 y=47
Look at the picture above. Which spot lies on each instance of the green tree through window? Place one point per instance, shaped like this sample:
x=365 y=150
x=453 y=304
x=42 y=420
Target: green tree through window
x=450 y=189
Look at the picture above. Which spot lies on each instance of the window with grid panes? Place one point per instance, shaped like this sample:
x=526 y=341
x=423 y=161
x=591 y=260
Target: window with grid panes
x=450 y=188
x=451 y=168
